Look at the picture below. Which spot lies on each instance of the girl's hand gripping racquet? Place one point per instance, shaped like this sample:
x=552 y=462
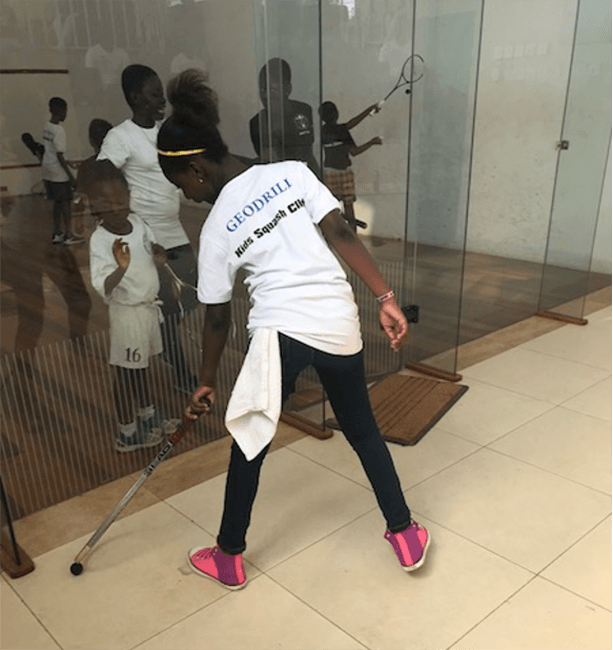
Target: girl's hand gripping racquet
x=412 y=71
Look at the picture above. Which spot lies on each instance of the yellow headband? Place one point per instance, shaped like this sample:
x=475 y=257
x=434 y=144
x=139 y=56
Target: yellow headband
x=187 y=152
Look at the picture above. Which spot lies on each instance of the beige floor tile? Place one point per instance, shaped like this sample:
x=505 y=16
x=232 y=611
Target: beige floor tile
x=543 y=616
x=521 y=512
x=540 y=376
x=437 y=450
x=260 y=617
x=595 y=401
x=64 y=522
x=20 y=629
x=298 y=503
x=585 y=568
x=136 y=583
x=589 y=344
x=487 y=412
x=570 y=444
x=353 y=579
x=503 y=339
x=182 y=472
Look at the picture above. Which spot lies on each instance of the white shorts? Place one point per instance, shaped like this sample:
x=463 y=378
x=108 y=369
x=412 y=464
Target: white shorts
x=135 y=334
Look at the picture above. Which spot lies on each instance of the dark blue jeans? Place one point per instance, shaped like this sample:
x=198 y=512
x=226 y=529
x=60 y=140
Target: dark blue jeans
x=344 y=380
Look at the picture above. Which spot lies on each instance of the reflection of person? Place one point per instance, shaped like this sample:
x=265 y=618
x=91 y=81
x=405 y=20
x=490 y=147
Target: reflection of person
x=123 y=259
x=27 y=255
x=104 y=62
x=97 y=131
x=131 y=147
x=338 y=146
x=283 y=129
x=57 y=175
x=273 y=222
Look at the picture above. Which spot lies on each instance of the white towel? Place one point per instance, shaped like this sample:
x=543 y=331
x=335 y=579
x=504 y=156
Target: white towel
x=255 y=404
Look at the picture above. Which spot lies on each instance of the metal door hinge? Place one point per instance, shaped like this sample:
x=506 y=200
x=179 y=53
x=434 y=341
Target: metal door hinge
x=562 y=145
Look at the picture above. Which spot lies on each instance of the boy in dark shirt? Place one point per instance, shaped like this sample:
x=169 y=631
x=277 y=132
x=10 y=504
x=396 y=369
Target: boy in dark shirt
x=338 y=146
x=291 y=135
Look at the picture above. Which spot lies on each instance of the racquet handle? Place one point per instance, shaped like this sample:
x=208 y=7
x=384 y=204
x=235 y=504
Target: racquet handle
x=379 y=105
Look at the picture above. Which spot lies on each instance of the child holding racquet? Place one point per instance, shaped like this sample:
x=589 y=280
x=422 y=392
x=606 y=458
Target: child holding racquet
x=276 y=222
x=123 y=261
x=338 y=146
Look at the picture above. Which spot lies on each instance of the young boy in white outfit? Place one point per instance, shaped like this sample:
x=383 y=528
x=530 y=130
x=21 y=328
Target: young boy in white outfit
x=57 y=176
x=123 y=261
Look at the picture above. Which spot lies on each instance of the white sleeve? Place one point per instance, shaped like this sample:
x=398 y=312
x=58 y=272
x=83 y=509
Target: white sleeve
x=59 y=140
x=319 y=200
x=115 y=149
x=101 y=264
x=216 y=274
x=148 y=232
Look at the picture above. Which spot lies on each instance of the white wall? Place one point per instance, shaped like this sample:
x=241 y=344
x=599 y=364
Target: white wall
x=525 y=60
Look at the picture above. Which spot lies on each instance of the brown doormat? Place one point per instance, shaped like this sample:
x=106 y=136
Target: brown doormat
x=407 y=407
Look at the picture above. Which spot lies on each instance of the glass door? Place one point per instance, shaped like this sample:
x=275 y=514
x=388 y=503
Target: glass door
x=584 y=149
x=447 y=38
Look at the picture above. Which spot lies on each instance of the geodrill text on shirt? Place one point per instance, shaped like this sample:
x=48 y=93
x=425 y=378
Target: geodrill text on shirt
x=256 y=205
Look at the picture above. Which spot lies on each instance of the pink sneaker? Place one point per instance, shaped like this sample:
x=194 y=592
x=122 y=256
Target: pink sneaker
x=227 y=570
x=410 y=545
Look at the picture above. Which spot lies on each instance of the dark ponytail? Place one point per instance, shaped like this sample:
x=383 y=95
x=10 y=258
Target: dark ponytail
x=192 y=125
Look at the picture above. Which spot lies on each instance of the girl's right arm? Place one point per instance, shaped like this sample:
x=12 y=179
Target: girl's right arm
x=214 y=335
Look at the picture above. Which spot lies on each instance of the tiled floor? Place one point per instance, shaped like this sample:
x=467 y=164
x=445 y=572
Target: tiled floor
x=514 y=485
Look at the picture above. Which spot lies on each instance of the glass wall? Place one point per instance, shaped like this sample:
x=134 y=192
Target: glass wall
x=447 y=36
x=453 y=201
x=584 y=149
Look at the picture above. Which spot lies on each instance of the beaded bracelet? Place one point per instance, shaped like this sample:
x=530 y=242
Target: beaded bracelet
x=386 y=296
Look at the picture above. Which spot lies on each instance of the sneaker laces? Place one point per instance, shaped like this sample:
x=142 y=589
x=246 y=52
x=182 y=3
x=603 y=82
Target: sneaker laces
x=204 y=553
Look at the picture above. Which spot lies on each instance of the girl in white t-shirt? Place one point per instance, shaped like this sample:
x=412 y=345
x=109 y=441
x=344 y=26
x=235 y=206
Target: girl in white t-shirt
x=276 y=223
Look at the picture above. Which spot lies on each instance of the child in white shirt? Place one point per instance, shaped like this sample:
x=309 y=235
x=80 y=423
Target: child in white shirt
x=57 y=176
x=123 y=261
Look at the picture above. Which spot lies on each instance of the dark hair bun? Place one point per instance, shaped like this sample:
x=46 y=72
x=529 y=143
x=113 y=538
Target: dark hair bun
x=192 y=100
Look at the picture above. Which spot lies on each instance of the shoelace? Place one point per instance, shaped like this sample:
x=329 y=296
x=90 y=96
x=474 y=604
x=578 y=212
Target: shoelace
x=204 y=554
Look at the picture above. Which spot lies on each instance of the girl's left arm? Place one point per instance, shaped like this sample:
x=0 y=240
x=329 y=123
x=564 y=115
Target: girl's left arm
x=347 y=244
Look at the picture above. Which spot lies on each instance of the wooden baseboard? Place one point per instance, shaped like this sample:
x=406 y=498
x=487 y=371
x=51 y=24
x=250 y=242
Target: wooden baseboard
x=9 y=563
x=562 y=317
x=433 y=372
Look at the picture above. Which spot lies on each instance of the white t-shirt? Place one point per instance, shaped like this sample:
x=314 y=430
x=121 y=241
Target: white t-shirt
x=109 y=64
x=54 y=139
x=264 y=221
x=140 y=283
x=133 y=149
